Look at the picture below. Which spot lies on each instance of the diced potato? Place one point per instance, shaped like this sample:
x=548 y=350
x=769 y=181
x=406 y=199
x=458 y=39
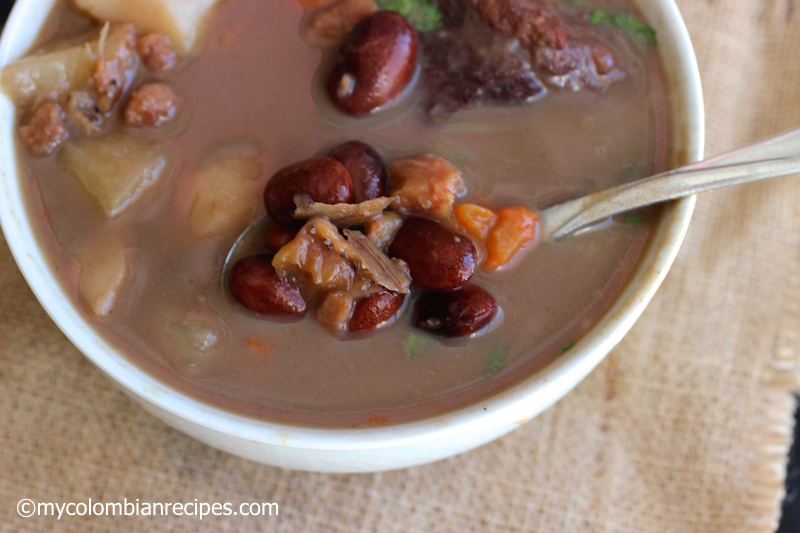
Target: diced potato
x=425 y=185
x=474 y=220
x=49 y=76
x=514 y=231
x=191 y=345
x=227 y=200
x=198 y=336
x=103 y=271
x=117 y=168
x=183 y=21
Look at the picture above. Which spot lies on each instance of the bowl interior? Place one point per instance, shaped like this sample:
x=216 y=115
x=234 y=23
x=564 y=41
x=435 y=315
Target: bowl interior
x=495 y=415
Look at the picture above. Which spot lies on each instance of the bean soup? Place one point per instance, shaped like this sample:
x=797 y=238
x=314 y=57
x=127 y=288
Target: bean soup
x=395 y=153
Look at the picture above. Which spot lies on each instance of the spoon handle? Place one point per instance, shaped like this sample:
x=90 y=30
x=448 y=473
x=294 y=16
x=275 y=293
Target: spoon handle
x=768 y=158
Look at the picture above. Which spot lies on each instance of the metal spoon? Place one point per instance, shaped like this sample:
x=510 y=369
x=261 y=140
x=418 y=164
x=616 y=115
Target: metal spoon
x=774 y=156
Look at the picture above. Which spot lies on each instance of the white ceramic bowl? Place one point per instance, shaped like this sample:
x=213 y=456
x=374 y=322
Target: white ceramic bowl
x=385 y=448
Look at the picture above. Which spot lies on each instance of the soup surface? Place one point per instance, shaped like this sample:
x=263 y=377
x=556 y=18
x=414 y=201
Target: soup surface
x=252 y=85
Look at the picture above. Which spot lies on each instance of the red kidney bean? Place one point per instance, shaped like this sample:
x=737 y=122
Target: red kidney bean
x=437 y=257
x=254 y=283
x=322 y=178
x=375 y=311
x=366 y=169
x=378 y=60
x=278 y=235
x=455 y=313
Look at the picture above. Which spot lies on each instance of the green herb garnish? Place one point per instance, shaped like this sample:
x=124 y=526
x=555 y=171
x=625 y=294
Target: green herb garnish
x=497 y=356
x=598 y=16
x=415 y=343
x=633 y=219
x=422 y=14
x=567 y=347
x=626 y=21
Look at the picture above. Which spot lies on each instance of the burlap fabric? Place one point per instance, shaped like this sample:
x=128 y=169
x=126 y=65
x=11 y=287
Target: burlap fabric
x=684 y=428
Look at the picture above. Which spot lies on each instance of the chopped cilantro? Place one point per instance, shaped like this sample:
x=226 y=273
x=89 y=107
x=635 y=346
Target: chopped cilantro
x=567 y=347
x=626 y=21
x=497 y=356
x=597 y=16
x=633 y=219
x=422 y=14
x=415 y=343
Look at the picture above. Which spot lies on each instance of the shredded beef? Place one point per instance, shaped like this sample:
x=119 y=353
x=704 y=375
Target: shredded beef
x=454 y=12
x=530 y=21
x=505 y=52
x=577 y=65
x=457 y=75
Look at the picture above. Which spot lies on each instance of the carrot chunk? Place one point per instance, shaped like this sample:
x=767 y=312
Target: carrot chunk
x=514 y=230
x=475 y=220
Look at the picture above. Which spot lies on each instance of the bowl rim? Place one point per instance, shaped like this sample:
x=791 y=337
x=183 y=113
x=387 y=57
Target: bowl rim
x=513 y=404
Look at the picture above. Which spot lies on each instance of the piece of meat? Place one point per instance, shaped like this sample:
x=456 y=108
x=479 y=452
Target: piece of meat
x=381 y=230
x=577 y=65
x=83 y=112
x=530 y=21
x=157 y=52
x=456 y=75
x=424 y=185
x=603 y=58
x=342 y=215
x=564 y=61
x=317 y=257
x=45 y=129
x=118 y=59
x=151 y=104
x=507 y=78
x=454 y=12
x=449 y=61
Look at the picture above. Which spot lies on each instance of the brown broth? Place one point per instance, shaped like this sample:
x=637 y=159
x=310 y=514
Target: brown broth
x=253 y=80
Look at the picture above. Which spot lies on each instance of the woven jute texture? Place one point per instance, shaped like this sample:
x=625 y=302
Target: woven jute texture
x=684 y=428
